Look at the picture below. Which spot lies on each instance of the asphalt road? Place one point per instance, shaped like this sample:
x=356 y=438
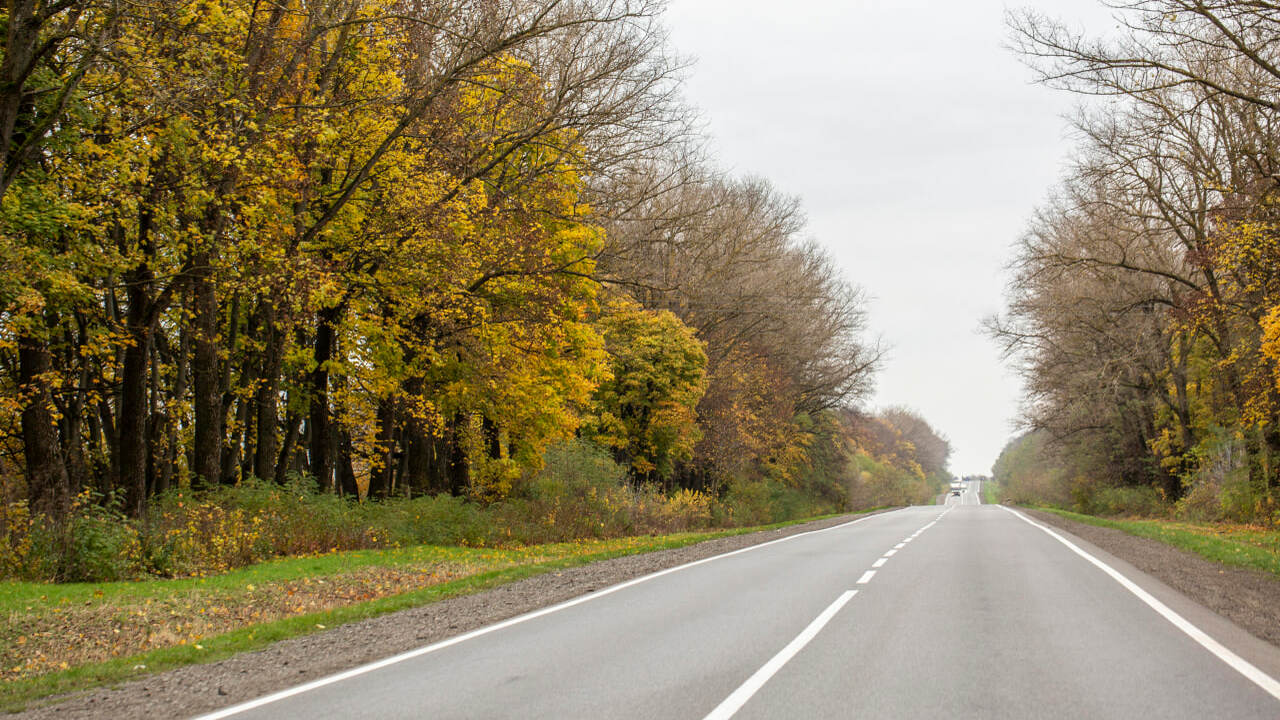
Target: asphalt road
x=960 y=610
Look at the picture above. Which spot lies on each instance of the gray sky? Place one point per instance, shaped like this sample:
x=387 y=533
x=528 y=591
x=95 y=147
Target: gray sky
x=919 y=147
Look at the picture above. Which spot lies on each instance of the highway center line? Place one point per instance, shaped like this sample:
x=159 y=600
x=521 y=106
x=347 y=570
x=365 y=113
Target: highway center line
x=1269 y=684
x=866 y=577
x=880 y=562
x=586 y=597
x=899 y=546
x=890 y=553
x=739 y=697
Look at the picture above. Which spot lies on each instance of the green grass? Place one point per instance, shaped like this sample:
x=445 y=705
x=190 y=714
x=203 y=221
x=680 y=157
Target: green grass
x=1244 y=546
x=990 y=492
x=25 y=604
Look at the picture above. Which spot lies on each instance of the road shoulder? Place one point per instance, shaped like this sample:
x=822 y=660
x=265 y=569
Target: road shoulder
x=1237 y=606
x=195 y=689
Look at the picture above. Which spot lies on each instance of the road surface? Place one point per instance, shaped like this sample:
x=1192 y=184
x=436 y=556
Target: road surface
x=959 y=610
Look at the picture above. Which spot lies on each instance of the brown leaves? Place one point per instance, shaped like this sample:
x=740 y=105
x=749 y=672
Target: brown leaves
x=57 y=638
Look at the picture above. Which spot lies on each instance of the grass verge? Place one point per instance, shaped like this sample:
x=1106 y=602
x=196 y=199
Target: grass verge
x=990 y=492
x=1247 y=546
x=70 y=637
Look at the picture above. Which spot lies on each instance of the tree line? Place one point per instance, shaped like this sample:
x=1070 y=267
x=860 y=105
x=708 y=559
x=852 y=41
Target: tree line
x=396 y=246
x=1144 y=309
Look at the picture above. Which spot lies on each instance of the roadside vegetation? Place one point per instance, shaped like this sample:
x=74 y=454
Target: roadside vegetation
x=296 y=278
x=62 y=637
x=1247 y=546
x=1144 y=309
x=992 y=493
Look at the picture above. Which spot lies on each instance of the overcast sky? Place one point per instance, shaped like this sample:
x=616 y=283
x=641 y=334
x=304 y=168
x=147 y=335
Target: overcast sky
x=919 y=147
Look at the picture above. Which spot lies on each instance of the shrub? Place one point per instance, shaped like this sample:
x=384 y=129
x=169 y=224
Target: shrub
x=95 y=543
x=15 y=538
x=579 y=493
x=1139 y=501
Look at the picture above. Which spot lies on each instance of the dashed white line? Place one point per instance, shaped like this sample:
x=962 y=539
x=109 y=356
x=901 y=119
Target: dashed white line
x=890 y=553
x=899 y=546
x=739 y=697
x=866 y=577
x=880 y=562
x=378 y=664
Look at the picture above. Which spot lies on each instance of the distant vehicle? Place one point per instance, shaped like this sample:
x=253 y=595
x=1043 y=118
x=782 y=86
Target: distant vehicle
x=956 y=488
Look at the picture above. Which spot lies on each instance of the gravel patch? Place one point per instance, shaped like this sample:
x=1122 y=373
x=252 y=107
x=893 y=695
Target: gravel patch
x=197 y=689
x=1248 y=598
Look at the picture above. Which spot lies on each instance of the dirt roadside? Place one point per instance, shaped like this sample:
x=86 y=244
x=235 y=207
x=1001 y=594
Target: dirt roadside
x=198 y=689
x=1251 y=599
x=1248 y=598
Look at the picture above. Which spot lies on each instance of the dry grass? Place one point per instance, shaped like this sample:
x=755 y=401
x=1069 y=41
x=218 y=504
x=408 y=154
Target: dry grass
x=45 y=639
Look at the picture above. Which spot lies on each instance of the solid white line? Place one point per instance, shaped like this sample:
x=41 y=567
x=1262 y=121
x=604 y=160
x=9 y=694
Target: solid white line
x=739 y=697
x=866 y=577
x=377 y=665
x=1269 y=684
x=880 y=562
x=908 y=540
x=899 y=546
x=890 y=553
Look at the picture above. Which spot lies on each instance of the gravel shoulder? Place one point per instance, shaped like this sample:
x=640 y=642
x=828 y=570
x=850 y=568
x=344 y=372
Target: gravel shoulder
x=1248 y=598
x=197 y=689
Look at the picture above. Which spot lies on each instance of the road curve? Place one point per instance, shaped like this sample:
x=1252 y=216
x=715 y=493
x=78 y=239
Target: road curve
x=960 y=610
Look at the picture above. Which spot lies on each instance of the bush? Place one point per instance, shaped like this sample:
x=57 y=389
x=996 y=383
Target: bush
x=746 y=502
x=15 y=538
x=579 y=493
x=877 y=484
x=1221 y=488
x=1129 y=500
x=95 y=543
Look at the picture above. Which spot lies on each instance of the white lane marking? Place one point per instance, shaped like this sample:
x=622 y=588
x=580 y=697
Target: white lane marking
x=739 y=697
x=1269 y=684
x=866 y=577
x=880 y=562
x=379 y=664
x=899 y=546
x=890 y=553
x=908 y=540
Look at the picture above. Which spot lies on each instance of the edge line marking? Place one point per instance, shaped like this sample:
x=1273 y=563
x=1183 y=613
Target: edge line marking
x=1268 y=684
x=485 y=630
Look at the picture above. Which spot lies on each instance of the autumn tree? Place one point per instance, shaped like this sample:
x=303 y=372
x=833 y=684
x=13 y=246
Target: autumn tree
x=646 y=412
x=1140 y=292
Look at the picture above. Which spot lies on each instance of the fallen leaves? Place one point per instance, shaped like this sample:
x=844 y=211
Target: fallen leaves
x=57 y=638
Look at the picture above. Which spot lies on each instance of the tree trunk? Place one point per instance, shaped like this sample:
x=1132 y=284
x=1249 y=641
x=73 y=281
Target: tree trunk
x=492 y=438
x=321 y=427
x=267 y=445
x=206 y=385
x=48 y=491
x=347 y=482
x=380 y=478
x=132 y=437
x=458 y=469
x=283 y=464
